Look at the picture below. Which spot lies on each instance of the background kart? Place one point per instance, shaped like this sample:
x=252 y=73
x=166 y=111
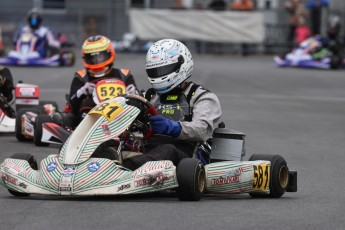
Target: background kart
x=81 y=168
x=26 y=99
x=25 y=54
x=28 y=106
x=302 y=57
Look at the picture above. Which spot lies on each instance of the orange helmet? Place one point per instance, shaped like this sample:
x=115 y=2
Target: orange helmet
x=98 y=55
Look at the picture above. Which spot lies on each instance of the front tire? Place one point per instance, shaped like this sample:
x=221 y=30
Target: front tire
x=335 y=62
x=279 y=175
x=33 y=164
x=40 y=119
x=18 y=127
x=191 y=179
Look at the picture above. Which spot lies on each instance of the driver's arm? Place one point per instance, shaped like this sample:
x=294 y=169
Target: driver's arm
x=75 y=101
x=131 y=86
x=206 y=113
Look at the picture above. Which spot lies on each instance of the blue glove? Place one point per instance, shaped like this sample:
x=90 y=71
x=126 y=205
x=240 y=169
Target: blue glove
x=162 y=125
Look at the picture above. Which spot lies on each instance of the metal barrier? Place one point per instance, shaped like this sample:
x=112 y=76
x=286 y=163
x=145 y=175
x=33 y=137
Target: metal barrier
x=276 y=38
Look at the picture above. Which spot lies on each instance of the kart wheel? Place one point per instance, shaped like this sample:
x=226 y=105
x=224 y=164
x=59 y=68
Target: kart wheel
x=279 y=175
x=67 y=58
x=32 y=162
x=40 y=119
x=18 y=127
x=72 y=59
x=335 y=62
x=191 y=179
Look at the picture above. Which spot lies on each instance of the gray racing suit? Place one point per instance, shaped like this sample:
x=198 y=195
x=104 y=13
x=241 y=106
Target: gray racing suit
x=195 y=108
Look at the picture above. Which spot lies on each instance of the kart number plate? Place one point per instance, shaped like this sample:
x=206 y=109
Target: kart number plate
x=261 y=176
x=108 y=110
x=107 y=91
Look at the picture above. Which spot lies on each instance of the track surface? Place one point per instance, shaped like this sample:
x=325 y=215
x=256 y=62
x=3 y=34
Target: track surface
x=299 y=114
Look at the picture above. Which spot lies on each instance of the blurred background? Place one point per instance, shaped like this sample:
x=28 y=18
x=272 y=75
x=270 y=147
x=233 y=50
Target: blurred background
x=132 y=24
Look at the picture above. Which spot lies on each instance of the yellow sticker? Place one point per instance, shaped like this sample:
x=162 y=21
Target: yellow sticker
x=262 y=176
x=107 y=109
x=108 y=91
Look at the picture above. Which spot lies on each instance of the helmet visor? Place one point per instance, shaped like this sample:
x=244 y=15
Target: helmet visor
x=33 y=21
x=97 y=58
x=165 y=70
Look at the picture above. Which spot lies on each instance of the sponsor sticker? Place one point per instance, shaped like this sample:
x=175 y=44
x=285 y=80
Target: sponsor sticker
x=156 y=180
x=23 y=185
x=68 y=171
x=65 y=189
x=93 y=166
x=234 y=172
x=225 y=180
x=152 y=169
x=26 y=92
x=123 y=187
x=51 y=166
x=9 y=179
x=105 y=128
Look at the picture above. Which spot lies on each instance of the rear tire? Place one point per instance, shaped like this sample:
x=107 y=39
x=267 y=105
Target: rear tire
x=32 y=162
x=40 y=119
x=191 y=179
x=18 y=127
x=279 y=175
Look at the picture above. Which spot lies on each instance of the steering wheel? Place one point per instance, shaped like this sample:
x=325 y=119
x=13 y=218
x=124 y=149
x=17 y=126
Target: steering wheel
x=140 y=102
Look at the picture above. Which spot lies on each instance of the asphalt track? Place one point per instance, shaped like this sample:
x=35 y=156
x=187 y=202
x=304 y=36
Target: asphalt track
x=299 y=114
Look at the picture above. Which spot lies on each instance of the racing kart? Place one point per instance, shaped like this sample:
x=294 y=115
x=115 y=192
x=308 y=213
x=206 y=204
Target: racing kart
x=81 y=169
x=55 y=127
x=25 y=54
x=28 y=106
x=303 y=57
x=26 y=99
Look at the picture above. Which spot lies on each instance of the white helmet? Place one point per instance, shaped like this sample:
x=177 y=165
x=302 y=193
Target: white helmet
x=168 y=64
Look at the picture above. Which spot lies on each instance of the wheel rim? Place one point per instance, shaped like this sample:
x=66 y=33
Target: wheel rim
x=283 y=176
x=201 y=181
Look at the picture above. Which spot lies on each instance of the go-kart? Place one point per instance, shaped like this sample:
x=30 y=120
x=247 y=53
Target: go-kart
x=81 y=169
x=303 y=57
x=28 y=106
x=25 y=54
x=26 y=99
x=55 y=128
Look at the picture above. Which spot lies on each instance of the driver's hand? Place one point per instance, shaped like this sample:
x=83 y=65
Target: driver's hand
x=162 y=125
x=130 y=89
x=87 y=89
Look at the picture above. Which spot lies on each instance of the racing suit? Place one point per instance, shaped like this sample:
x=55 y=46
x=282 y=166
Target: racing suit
x=6 y=83
x=6 y=91
x=46 y=43
x=80 y=106
x=196 y=109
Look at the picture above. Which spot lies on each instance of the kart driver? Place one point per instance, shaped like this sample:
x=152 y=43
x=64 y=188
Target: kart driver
x=6 y=91
x=46 y=40
x=330 y=43
x=6 y=83
x=187 y=112
x=98 y=56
